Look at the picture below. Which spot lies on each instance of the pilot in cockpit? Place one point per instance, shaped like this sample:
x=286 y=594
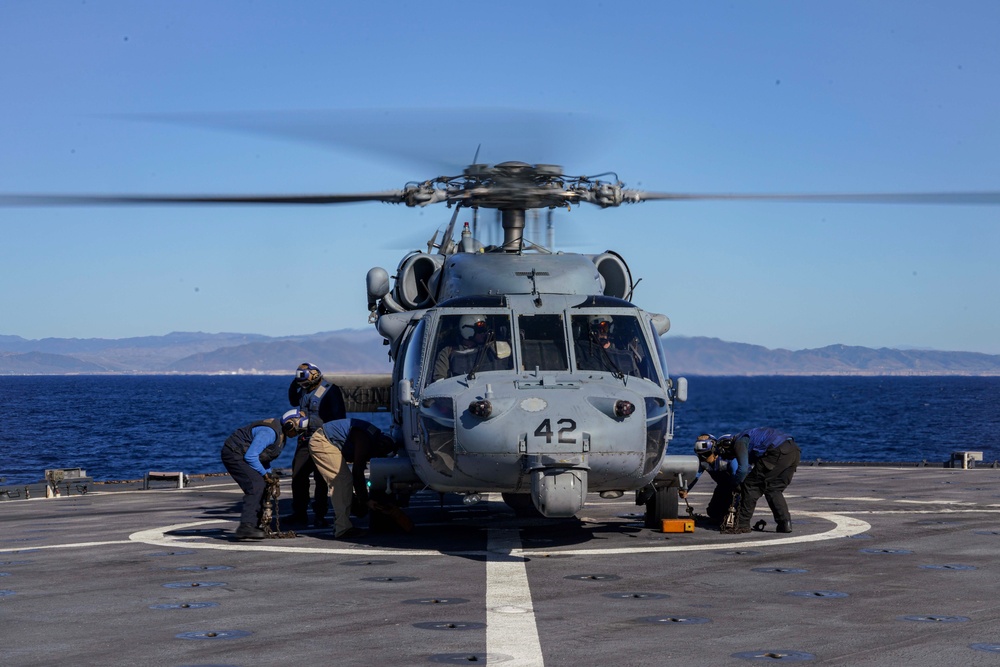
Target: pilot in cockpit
x=476 y=350
x=596 y=350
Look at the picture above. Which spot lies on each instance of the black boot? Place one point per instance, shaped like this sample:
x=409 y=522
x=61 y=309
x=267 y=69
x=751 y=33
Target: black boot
x=248 y=531
x=784 y=526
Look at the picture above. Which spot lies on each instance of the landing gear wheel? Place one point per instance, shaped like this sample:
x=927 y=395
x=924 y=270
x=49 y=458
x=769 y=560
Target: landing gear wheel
x=522 y=504
x=661 y=505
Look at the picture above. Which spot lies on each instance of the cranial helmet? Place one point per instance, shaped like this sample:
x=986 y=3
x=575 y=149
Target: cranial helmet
x=295 y=420
x=601 y=323
x=470 y=325
x=307 y=375
x=704 y=444
x=726 y=441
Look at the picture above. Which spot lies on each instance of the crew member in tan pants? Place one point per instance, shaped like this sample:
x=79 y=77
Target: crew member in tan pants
x=334 y=446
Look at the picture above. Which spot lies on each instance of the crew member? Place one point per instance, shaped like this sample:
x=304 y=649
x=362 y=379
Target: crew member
x=335 y=445
x=321 y=401
x=722 y=471
x=766 y=460
x=247 y=455
x=595 y=350
x=477 y=350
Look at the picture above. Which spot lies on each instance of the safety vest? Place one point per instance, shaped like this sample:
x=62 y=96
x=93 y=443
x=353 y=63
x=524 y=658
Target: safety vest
x=309 y=404
x=240 y=440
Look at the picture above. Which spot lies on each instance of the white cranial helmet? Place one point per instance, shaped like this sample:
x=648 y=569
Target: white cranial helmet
x=470 y=325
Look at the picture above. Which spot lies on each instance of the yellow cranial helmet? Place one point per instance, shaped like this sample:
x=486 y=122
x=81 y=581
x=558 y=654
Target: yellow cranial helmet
x=307 y=375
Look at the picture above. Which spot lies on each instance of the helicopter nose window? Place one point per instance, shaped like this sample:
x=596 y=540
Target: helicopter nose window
x=471 y=343
x=612 y=343
x=543 y=342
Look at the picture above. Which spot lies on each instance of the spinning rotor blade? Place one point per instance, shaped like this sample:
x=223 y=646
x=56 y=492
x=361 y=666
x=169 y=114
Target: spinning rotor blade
x=970 y=198
x=390 y=196
x=439 y=139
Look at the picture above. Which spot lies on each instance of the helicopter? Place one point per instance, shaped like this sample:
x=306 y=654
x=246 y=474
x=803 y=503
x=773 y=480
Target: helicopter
x=518 y=369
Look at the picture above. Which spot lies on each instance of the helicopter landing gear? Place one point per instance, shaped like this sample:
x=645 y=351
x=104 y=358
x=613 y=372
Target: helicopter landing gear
x=661 y=503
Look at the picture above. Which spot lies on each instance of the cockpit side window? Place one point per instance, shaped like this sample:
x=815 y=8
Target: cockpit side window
x=543 y=342
x=659 y=348
x=612 y=343
x=471 y=343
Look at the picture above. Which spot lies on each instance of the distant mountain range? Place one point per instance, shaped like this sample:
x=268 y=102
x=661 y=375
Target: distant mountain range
x=362 y=351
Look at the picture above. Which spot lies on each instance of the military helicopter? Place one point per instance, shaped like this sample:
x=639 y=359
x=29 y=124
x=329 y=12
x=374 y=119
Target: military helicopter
x=518 y=369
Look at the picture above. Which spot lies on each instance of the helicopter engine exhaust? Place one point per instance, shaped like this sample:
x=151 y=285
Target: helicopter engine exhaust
x=616 y=279
x=416 y=280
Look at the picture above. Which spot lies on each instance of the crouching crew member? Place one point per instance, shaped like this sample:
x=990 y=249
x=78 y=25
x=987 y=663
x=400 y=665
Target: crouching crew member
x=767 y=458
x=723 y=473
x=320 y=401
x=247 y=455
x=335 y=445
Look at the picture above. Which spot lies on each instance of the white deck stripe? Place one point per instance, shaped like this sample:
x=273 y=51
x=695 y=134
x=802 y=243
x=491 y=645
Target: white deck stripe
x=510 y=614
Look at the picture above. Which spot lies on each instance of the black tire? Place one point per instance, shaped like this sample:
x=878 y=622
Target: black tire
x=522 y=504
x=661 y=505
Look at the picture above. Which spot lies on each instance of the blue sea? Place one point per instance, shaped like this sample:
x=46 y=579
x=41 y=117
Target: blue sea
x=119 y=427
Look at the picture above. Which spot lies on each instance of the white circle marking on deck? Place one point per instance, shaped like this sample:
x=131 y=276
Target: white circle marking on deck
x=844 y=526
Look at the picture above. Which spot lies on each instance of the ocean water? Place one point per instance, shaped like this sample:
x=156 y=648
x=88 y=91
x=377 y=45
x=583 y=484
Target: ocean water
x=119 y=427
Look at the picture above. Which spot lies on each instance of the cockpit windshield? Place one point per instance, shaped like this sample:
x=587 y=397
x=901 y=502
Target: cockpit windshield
x=471 y=343
x=543 y=343
x=612 y=343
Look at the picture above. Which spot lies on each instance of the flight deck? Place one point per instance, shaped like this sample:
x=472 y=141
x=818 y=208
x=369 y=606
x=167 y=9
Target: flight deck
x=886 y=566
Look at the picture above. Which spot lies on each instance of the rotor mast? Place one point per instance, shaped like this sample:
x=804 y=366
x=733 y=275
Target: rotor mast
x=512 y=221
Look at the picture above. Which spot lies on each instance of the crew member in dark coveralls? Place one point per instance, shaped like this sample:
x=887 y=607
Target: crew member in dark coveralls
x=320 y=401
x=767 y=459
x=335 y=445
x=247 y=455
x=722 y=471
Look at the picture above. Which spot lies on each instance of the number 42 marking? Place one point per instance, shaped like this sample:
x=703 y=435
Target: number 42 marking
x=566 y=436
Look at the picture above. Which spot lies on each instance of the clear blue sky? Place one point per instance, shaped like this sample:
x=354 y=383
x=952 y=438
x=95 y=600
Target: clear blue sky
x=692 y=96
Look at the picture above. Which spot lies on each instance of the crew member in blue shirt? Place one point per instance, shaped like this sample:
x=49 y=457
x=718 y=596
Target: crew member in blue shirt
x=247 y=455
x=721 y=470
x=766 y=460
x=332 y=447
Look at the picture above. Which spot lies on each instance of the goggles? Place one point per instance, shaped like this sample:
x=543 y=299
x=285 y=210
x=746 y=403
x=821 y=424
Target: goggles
x=477 y=328
x=304 y=374
x=602 y=326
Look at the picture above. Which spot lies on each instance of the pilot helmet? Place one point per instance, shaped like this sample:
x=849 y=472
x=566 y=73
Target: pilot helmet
x=307 y=375
x=470 y=325
x=704 y=444
x=601 y=324
x=294 y=421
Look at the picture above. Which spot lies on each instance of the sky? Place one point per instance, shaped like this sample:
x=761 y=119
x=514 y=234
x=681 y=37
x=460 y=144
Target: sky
x=709 y=97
